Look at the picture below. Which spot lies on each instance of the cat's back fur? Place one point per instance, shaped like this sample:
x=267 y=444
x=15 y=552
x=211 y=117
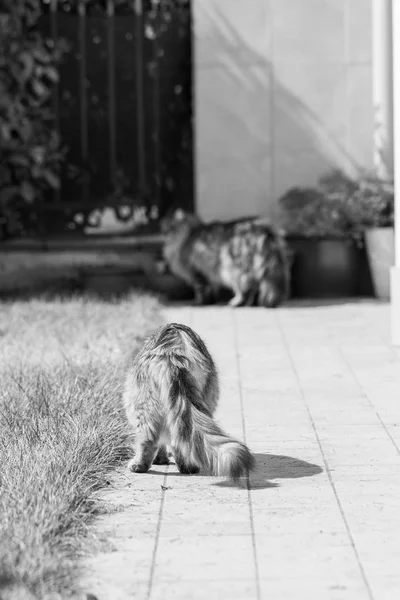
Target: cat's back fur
x=246 y=256
x=171 y=394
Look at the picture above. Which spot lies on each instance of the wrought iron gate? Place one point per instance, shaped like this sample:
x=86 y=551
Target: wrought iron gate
x=123 y=107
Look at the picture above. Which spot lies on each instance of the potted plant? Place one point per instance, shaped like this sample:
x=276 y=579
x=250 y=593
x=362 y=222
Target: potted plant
x=369 y=205
x=371 y=210
x=329 y=260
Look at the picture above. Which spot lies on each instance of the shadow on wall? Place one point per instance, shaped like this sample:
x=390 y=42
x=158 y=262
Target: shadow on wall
x=280 y=142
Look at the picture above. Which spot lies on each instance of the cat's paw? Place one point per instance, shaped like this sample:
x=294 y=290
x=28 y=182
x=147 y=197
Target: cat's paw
x=188 y=469
x=161 y=458
x=137 y=467
x=200 y=300
x=236 y=301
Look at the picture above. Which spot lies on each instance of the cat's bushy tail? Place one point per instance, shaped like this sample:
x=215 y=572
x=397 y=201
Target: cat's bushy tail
x=198 y=437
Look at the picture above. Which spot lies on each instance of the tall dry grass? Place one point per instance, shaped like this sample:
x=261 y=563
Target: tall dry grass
x=61 y=431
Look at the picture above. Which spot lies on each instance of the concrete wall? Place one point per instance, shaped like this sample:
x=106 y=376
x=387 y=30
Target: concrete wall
x=282 y=94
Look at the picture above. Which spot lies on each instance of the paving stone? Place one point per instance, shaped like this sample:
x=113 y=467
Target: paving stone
x=315 y=392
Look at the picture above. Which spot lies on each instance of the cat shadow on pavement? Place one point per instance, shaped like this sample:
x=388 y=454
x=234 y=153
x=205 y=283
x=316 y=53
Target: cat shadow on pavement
x=268 y=467
x=274 y=466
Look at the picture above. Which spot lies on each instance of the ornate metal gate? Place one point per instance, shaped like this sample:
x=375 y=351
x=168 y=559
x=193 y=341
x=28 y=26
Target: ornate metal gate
x=123 y=107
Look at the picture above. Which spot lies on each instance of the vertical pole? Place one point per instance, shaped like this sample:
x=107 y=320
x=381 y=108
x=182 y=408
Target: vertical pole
x=156 y=116
x=56 y=91
x=83 y=96
x=111 y=88
x=193 y=134
x=382 y=87
x=140 y=112
x=395 y=271
x=54 y=37
x=396 y=122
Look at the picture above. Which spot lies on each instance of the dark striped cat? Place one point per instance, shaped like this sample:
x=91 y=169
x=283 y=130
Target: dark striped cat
x=171 y=394
x=247 y=256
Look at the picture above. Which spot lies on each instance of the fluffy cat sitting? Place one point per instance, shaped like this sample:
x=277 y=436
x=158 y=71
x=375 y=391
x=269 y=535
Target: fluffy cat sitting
x=247 y=256
x=171 y=393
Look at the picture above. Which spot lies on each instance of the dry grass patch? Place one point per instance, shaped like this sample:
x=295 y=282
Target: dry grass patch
x=62 y=429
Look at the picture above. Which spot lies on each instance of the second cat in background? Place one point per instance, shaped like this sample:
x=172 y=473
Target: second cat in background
x=247 y=256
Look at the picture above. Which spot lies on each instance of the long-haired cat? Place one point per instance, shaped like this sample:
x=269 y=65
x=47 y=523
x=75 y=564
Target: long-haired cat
x=247 y=256
x=171 y=394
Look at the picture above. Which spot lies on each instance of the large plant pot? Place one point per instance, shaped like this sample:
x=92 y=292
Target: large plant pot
x=326 y=268
x=380 y=249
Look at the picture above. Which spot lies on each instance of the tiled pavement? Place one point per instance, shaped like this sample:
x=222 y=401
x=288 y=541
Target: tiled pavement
x=315 y=392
